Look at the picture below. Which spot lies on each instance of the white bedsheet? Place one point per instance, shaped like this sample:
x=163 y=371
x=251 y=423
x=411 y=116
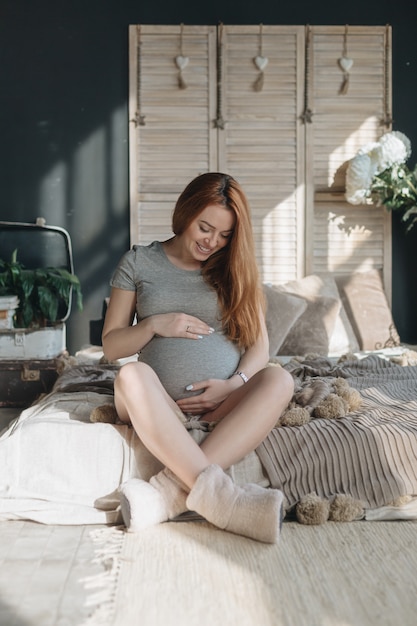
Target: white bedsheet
x=57 y=467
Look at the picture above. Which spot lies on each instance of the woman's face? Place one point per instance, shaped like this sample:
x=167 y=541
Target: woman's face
x=210 y=231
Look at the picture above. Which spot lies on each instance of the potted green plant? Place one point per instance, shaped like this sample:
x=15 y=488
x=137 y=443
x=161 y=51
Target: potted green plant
x=44 y=294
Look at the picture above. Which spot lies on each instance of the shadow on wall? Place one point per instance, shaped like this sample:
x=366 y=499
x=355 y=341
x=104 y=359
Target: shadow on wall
x=64 y=148
x=86 y=193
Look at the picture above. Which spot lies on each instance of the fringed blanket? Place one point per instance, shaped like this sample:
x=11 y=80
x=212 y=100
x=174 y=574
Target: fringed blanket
x=370 y=454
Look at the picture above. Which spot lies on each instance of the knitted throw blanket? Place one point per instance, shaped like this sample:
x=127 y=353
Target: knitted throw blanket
x=370 y=454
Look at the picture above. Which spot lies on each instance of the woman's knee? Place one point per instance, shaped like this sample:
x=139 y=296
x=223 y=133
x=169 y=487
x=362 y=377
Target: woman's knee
x=280 y=381
x=134 y=377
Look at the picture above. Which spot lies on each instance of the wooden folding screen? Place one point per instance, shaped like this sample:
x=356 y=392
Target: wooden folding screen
x=341 y=237
x=263 y=103
x=171 y=138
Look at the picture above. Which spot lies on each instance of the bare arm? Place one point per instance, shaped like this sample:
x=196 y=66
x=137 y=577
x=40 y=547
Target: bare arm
x=120 y=339
x=256 y=357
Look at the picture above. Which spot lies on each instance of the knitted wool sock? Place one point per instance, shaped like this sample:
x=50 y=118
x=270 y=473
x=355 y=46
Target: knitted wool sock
x=145 y=504
x=173 y=490
x=250 y=510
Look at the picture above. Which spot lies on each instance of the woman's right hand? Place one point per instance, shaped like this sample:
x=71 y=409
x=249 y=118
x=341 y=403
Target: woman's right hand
x=179 y=325
x=120 y=339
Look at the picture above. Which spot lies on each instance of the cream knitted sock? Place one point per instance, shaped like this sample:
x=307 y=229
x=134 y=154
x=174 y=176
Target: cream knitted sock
x=145 y=504
x=250 y=510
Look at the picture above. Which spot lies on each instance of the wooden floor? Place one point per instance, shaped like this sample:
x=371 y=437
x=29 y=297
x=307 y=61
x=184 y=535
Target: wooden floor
x=42 y=573
x=42 y=569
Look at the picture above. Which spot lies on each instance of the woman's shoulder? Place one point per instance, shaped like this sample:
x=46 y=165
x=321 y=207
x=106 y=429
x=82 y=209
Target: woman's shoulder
x=142 y=253
x=136 y=264
x=147 y=251
x=151 y=255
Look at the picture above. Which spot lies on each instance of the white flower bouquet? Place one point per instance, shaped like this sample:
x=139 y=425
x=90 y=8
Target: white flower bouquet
x=379 y=174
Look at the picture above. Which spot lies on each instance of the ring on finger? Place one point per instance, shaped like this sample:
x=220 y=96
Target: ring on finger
x=187 y=330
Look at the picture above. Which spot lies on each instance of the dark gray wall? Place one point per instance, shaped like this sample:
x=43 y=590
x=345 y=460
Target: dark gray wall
x=64 y=122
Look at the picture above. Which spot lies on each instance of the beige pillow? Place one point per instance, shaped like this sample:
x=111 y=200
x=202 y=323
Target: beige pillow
x=343 y=337
x=283 y=310
x=313 y=329
x=366 y=304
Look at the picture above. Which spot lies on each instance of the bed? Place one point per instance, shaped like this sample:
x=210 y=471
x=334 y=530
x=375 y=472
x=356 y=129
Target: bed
x=57 y=466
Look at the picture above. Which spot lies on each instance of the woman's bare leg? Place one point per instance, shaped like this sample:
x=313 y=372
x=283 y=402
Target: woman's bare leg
x=140 y=398
x=247 y=416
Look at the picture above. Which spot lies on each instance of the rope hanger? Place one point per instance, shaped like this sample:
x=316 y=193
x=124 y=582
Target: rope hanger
x=307 y=115
x=219 y=122
x=181 y=61
x=345 y=64
x=261 y=62
x=139 y=119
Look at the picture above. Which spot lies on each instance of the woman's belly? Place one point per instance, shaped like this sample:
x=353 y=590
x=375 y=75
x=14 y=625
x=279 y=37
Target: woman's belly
x=182 y=362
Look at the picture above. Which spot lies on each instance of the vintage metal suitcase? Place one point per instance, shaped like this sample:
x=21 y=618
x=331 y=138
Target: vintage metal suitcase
x=22 y=382
x=30 y=360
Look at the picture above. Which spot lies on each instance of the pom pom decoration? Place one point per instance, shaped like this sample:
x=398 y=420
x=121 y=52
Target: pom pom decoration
x=314 y=510
x=332 y=398
x=106 y=414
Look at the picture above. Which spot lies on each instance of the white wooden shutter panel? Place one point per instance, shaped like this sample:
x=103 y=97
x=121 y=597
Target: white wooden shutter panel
x=262 y=142
x=176 y=141
x=293 y=171
x=342 y=238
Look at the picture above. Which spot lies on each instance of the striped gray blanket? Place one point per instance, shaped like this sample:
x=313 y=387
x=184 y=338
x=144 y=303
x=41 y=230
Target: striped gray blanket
x=370 y=454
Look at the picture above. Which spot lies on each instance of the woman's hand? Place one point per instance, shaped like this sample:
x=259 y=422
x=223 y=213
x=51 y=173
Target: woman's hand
x=179 y=325
x=122 y=339
x=214 y=392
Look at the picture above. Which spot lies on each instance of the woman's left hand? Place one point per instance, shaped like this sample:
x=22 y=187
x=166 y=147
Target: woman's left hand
x=214 y=391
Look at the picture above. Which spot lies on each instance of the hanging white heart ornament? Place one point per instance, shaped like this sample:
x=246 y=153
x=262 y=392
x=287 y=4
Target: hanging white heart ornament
x=345 y=63
x=181 y=62
x=261 y=62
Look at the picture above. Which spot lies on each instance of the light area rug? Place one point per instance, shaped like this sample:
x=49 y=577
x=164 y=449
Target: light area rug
x=192 y=574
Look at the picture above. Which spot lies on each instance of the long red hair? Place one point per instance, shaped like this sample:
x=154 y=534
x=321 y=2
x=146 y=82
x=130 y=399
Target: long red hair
x=232 y=271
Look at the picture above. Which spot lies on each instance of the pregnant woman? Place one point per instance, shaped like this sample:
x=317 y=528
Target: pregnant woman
x=202 y=348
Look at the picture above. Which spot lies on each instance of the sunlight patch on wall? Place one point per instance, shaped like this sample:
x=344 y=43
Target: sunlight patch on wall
x=53 y=194
x=89 y=172
x=278 y=247
x=84 y=191
x=94 y=176
x=119 y=161
x=347 y=238
x=338 y=158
